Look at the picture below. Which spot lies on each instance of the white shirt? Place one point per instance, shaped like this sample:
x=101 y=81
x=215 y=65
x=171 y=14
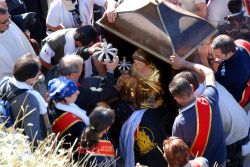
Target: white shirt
x=13 y=44
x=190 y=5
x=217 y=11
x=58 y=14
x=234 y=118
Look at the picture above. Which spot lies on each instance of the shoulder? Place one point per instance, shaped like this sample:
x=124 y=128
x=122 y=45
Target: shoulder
x=210 y=93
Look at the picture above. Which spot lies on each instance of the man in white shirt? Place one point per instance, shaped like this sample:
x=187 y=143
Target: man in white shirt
x=67 y=42
x=13 y=43
x=74 y=13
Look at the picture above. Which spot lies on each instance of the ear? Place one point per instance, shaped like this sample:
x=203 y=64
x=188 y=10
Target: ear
x=192 y=87
x=107 y=129
x=78 y=44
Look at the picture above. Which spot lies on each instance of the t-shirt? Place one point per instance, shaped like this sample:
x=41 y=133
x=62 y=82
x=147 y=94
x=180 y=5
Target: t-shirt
x=58 y=13
x=190 y=5
x=149 y=138
x=185 y=126
x=234 y=73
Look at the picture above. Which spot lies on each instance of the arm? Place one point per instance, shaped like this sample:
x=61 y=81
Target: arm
x=59 y=27
x=101 y=69
x=45 y=64
x=201 y=9
x=45 y=56
x=53 y=20
x=178 y=62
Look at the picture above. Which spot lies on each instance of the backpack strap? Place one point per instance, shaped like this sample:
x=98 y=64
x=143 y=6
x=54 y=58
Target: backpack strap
x=10 y=95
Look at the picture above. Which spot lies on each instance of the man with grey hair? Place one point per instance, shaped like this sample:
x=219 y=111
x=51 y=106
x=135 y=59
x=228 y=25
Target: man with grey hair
x=92 y=90
x=71 y=66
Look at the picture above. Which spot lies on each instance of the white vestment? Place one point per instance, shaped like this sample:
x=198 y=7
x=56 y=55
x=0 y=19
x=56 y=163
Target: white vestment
x=13 y=44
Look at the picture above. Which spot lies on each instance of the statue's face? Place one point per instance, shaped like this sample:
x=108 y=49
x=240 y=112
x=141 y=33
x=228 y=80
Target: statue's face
x=139 y=65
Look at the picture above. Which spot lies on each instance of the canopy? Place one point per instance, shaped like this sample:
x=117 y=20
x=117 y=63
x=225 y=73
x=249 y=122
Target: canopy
x=159 y=28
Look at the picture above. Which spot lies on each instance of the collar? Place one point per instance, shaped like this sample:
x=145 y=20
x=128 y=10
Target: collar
x=235 y=14
x=187 y=107
x=233 y=57
x=74 y=109
x=198 y=92
x=20 y=85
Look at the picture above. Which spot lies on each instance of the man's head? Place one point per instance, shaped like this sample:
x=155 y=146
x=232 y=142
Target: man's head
x=223 y=47
x=182 y=90
x=234 y=6
x=190 y=76
x=27 y=69
x=85 y=36
x=71 y=66
x=4 y=16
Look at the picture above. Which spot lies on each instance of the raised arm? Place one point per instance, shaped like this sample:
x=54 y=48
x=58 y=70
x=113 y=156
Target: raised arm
x=207 y=73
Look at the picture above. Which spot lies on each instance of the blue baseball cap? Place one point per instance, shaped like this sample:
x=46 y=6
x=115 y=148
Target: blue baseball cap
x=61 y=87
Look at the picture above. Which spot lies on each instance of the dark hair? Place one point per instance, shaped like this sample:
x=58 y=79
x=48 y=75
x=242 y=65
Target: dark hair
x=176 y=152
x=86 y=35
x=26 y=67
x=234 y=6
x=100 y=119
x=180 y=87
x=225 y=43
x=190 y=76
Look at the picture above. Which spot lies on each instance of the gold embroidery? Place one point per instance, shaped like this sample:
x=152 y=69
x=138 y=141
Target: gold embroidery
x=145 y=143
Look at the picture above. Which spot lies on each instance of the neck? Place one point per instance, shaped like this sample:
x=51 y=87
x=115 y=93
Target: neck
x=229 y=55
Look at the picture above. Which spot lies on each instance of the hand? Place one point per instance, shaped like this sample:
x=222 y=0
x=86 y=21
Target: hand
x=112 y=65
x=92 y=49
x=203 y=51
x=177 y=61
x=111 y=14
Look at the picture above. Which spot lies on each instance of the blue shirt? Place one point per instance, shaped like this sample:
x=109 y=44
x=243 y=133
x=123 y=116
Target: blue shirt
x=234 y=73
x=185 y=126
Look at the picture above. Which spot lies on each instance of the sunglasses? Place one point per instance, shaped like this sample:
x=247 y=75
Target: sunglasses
x=3 y=10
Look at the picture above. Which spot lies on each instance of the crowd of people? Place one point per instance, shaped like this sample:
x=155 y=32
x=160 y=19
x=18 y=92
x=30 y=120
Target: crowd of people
x=125 y=118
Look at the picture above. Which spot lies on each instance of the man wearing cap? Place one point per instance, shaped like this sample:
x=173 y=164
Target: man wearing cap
x=13 y=43
x=67 y=119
